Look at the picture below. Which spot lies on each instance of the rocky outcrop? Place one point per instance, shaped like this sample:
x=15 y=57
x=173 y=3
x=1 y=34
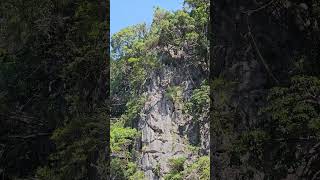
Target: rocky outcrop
x=166 y=131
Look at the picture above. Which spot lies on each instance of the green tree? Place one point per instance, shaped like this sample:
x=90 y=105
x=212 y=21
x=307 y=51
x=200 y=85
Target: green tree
x=291 y=135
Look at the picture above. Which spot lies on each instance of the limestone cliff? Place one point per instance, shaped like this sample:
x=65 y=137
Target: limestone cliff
x=168 y=132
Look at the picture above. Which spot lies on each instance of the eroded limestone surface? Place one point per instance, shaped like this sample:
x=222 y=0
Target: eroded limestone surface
x=166 y=130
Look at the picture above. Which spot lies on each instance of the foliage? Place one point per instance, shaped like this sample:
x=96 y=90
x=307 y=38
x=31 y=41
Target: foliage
x=134 y=107
x=128 y=42
x=293 y=127
x=222 y=116
x=77 y=143
x=46 y=173
x=177 y=164
x=173 y=176
x=201 y=167
x=199 y=101
x=193 y=149
x=174 y=93
x=139 y=175
x=184 y=30
x=132 y=62
x=179 y=170
x=176 y=168
x=121 y=138
x=123 y=169
x=294 y=109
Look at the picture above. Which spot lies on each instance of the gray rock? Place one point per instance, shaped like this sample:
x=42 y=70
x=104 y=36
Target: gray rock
x=160 y=121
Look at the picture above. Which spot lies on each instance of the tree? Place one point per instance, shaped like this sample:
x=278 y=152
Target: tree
x=289 y=139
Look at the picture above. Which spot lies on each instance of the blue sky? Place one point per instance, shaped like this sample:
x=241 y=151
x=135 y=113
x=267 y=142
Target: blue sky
x=124 y=13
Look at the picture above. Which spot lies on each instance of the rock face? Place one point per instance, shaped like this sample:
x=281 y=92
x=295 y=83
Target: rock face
x=166 y=131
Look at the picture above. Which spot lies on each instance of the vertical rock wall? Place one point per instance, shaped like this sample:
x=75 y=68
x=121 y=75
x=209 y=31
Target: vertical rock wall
x=166 y=130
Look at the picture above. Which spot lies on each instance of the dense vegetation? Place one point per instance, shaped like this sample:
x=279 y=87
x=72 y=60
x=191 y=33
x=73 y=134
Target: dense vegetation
x=179 y=170
x=53 y=89
x=265 y=90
